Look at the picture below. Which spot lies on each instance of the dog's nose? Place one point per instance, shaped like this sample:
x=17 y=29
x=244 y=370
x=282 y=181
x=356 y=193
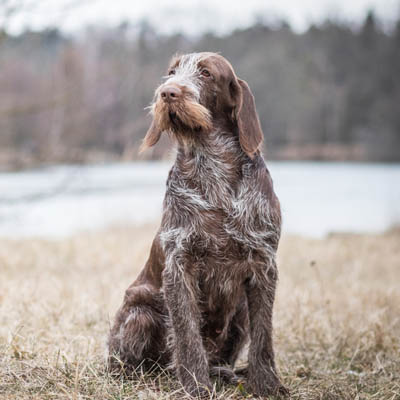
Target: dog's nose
x=170 y=93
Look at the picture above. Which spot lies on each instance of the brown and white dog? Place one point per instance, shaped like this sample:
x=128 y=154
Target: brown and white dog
x=208 y=286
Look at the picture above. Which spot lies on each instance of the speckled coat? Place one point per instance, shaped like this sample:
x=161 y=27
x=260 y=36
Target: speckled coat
x=208 y=286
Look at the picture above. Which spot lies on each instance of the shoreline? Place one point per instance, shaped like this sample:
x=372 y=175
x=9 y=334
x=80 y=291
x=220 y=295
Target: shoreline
x=138 y=229
x=25 y=163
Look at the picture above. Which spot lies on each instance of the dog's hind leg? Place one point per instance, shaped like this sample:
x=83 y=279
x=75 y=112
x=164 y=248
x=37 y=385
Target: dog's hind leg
x=222 y=368
x=138 y=336
x=238 y=335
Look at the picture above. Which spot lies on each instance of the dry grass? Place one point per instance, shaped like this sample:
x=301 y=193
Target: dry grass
x=337 y=318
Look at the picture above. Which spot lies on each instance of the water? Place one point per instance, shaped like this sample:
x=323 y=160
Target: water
x=316 y=198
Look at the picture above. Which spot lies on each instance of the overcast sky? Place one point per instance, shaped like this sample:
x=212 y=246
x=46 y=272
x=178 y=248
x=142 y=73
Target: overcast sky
x=195 y=16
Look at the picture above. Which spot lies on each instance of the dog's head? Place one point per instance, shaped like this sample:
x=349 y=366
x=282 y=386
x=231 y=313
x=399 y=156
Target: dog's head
x=200 y=90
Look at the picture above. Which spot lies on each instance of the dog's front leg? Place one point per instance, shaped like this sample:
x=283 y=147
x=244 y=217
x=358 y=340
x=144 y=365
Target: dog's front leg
x=190 y=357
x=262 y=377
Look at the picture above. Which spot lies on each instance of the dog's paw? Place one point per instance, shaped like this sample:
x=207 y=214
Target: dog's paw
x=225 y=375
x=199 y=392
x=279 y=391
x=267 y=387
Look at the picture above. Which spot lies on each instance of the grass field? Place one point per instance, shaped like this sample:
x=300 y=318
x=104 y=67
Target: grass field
x=337 y=317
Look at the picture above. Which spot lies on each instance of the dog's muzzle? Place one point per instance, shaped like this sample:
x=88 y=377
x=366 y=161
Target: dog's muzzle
x=170 y=93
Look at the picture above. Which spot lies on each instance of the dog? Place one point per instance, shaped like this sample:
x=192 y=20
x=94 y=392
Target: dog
x=208 y=286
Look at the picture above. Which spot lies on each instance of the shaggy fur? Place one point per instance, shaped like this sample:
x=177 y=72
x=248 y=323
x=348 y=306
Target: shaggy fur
x=208 y=286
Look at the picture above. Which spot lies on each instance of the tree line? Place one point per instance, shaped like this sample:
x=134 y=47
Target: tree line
x=330 y=93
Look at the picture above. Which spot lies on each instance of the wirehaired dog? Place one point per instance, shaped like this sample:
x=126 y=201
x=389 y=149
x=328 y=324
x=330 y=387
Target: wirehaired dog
x=208 y=286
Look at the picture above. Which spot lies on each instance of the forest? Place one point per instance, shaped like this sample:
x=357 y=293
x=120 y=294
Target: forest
x=329 y=93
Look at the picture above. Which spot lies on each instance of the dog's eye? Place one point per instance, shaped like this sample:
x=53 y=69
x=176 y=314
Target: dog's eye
x=171 y=72
x=205 y=73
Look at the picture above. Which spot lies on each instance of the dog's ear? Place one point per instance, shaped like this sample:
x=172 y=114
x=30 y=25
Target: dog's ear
x=248 y=123
x=152 y=136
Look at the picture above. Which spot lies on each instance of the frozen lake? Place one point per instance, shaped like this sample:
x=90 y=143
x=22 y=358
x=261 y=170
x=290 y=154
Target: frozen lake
x=316 y=198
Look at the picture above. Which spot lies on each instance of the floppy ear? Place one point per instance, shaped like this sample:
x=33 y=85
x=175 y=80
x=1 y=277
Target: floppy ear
x=249 y=127
x=152 y=136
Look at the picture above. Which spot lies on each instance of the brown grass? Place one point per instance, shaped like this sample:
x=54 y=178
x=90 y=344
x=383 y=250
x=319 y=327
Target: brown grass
x=337 y=317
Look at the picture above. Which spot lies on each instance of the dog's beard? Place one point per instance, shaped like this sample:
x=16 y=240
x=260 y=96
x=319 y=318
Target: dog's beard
x=181 y=116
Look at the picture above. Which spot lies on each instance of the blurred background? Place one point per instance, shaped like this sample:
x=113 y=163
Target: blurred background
x=76 y=76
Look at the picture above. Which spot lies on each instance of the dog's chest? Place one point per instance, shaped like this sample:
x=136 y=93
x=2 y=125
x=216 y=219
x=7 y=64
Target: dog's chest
x=215 y=208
